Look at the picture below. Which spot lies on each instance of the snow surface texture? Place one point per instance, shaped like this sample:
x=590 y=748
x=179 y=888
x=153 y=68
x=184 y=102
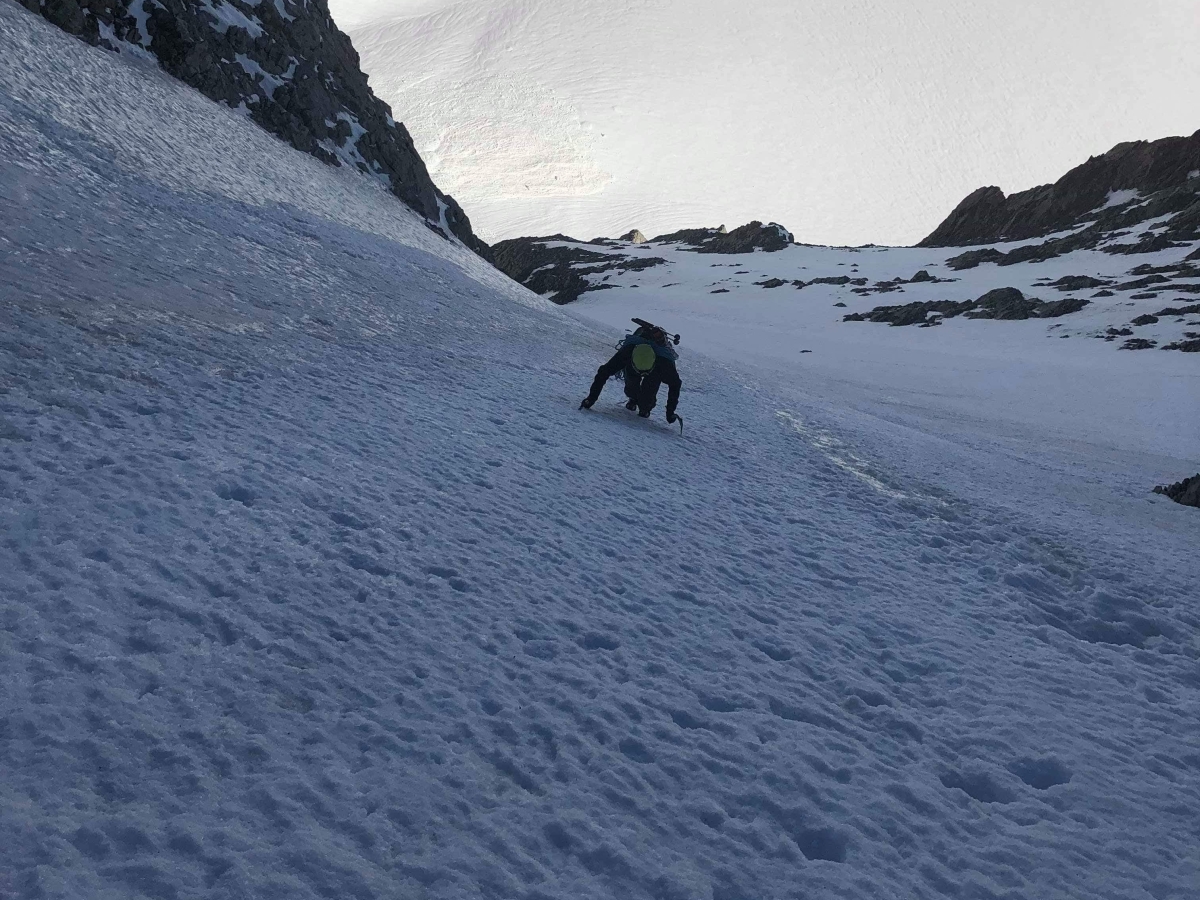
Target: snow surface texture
x=849 y=121
x=314 y=582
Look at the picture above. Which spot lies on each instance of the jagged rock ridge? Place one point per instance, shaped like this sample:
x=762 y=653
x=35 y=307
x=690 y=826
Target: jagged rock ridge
x=548 y=266
x=1131 y=177
x=287 y=66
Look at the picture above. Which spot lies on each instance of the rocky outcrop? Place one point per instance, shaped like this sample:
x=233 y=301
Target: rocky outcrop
x=1078 y=283
x=285 y=64
x=1144 y=170
x=694 y=236
x=1191 y=345
x=1001 y=303
x=561 y=267
x=633 y=237
x=1186 y=492
x=889 y=286
x=752 y=236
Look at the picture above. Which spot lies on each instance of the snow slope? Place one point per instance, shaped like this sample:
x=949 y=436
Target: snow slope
x=848 y=121
x=314 y=582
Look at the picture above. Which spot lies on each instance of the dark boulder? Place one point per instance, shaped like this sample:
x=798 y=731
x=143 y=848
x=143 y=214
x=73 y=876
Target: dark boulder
x=1004 y=303
x=1147 y=281
x=694 y=236
x=1052 y=309
x=1186 y=492
x=1145 y=320
x=912 y=313
x=753 y=236
x=1078 y=283
x=1001 y=303
x=746 y=239
x=973 y=258
x=1179 y=310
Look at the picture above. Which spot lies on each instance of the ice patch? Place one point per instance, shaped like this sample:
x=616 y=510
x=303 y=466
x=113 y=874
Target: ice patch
x=140 y=49
x=267 y=81
x=229 y=16
x=442 y=221
x=839 y=454
x=1120 y=198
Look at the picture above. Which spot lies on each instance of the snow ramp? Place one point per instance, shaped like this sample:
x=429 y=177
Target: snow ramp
x=314 y=583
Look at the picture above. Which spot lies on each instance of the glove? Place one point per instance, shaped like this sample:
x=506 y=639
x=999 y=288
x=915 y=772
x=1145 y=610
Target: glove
x=672 y=418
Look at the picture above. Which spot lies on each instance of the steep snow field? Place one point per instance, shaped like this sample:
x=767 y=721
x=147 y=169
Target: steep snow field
x=315 y=583
x=850 y=122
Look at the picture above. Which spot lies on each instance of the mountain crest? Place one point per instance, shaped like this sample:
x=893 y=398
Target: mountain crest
x=1131 y=171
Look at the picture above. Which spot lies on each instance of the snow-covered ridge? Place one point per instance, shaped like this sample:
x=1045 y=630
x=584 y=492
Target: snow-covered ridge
x=287 y=66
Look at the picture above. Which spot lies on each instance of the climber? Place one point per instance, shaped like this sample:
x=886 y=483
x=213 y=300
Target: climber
x=647 y=359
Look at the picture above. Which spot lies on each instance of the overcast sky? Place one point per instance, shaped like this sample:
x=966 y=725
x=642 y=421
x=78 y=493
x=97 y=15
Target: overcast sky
x=848 y=121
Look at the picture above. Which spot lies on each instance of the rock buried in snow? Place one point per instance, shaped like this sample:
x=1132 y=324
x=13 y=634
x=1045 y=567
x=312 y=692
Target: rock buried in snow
x=1078 y=283
x=753 y=236
x=633 y=237
x=973 y=258
x=1186 y=492
x=1001 y=303
x=1179 y=310
x=1192 y=346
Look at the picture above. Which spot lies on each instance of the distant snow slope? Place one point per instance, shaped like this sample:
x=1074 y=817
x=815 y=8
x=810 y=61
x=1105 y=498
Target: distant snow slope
x=850 y=122
x=314 y=582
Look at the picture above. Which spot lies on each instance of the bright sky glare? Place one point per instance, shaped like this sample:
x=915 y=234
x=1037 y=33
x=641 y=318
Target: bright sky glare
x=849 y=121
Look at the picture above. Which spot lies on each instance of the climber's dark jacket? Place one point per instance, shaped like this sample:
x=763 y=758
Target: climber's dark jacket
x=641 y=387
